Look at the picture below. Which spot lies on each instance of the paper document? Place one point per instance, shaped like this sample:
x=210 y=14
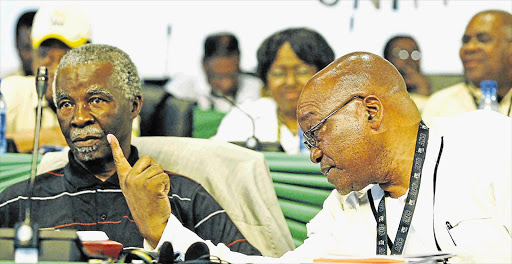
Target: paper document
x=423 y=258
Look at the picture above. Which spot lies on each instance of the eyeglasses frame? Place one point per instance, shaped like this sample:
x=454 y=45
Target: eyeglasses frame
x=309 y=139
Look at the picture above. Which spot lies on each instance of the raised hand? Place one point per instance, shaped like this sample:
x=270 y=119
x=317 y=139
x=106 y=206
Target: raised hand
x=414 y=78
x=145 y=188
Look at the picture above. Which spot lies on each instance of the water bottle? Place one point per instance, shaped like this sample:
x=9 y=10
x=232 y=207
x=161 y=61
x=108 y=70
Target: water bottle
x=489 y=100
x=3 y=124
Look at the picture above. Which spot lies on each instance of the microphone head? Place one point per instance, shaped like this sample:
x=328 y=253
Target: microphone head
x=252 y=143
x=198 y=250
x=166 y=253
x=41 y=81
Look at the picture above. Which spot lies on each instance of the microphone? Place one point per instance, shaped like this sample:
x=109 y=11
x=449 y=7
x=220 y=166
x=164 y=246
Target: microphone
x=27 y=233
x=166 y=253
x=198 y=251
x=41 y=87
x=252 y=142
x=41 y=81
x=26 y=243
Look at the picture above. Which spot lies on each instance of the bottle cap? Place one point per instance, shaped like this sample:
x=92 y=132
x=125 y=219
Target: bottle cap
x=488 y=87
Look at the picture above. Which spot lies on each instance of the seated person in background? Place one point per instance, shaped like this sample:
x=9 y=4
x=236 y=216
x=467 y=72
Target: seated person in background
x=222 y=82
x=55 y=31
x=98 y=94
x=423 y=189
x=485 y=54
x=24 y=44
x=404 y=53
x=286 y=61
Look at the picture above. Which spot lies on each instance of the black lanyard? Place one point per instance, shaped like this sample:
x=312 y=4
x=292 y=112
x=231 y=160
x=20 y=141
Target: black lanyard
x=410 y=203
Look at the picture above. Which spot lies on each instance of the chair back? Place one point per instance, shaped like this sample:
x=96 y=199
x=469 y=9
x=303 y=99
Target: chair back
x=238 y=178
x=165 y=115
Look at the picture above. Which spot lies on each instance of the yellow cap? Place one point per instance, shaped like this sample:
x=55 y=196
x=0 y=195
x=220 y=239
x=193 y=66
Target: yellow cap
x=63 y=23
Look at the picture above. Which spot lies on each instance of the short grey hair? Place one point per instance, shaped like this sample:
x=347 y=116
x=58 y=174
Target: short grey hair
x=124 y=76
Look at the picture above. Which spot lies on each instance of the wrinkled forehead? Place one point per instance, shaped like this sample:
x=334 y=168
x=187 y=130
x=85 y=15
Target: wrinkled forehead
x=72 y=77
x=322 y=95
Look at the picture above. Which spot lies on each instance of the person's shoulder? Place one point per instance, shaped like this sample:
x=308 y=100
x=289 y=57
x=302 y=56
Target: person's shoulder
x=254 y=108
x=185 y=189
x=249 y=88
x=184 y=86
x=480 y=142
x=47 y=180
x=251 y=80
x=262 y=104
x=445 y=101
x=449 y=91
x=472 y=120
x=17 y=80
x=419 y=100
x=18 y=72
x=478 y=125
x=182 y=184
x=18 y=84
x=476 y=131
x=179 y=177
x=262 y=108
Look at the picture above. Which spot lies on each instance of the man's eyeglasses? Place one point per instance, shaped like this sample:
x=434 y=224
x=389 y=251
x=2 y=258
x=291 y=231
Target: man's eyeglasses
x=309 y=136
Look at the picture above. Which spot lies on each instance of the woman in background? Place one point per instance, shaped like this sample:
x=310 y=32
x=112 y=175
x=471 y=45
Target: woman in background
x=286 y=61
x=404 y=53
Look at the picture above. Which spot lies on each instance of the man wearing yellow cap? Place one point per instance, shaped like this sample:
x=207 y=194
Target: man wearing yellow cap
x=55 y=31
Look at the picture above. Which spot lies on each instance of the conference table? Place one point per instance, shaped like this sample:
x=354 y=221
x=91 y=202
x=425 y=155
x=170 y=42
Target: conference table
x=300 y=187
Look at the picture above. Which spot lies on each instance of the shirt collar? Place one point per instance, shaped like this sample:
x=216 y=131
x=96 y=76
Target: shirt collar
x=80 y=178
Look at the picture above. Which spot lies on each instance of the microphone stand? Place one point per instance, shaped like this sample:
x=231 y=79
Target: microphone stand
x=252 y=142
x=26 y=246
x=25 y=242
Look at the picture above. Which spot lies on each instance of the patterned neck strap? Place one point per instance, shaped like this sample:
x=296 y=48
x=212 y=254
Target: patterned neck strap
x=410 y=203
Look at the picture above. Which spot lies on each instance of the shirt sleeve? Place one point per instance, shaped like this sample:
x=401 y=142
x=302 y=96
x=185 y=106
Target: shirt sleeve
x=181 y=238
x=212 y=222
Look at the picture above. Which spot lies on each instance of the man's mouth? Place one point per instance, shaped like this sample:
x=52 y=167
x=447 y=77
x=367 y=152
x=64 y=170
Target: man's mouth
x=471 y=62
x=86 y=141
x=326 y=170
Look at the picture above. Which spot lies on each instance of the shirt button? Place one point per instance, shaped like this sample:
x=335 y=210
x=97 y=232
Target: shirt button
x=103 y=217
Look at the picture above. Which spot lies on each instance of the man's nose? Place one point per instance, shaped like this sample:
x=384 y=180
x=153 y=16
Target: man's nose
x=472 y=44
x=316 y=155
x=82 y=116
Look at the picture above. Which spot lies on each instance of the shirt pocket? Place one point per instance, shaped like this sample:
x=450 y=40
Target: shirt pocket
x=481 y=239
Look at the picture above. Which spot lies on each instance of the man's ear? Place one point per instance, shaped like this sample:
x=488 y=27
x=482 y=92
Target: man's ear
x=136 y=106
x=375 y=111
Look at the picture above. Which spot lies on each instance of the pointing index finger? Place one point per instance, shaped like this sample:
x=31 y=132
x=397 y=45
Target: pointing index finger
x=122 y=165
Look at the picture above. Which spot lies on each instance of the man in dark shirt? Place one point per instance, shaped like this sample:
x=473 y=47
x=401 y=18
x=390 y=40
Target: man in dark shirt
x=98 y=92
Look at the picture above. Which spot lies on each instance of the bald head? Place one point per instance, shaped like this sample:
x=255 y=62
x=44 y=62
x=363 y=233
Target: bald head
x=359 y=73
x=487 y=47
x=360 y=123
x=504 y=17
